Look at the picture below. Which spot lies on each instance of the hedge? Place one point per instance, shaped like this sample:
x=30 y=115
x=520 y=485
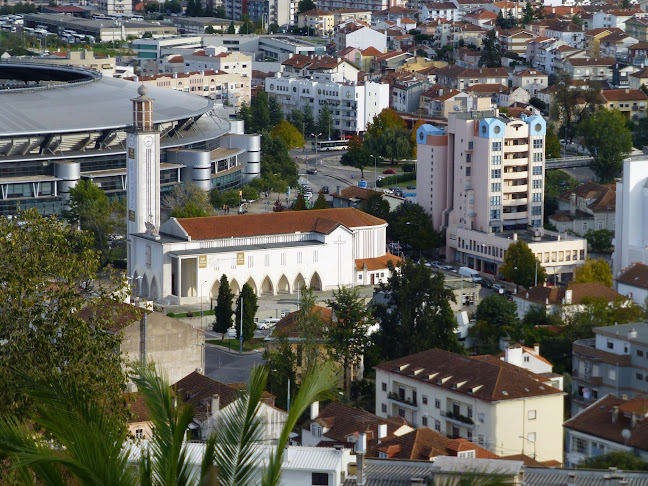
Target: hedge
x=387 y=181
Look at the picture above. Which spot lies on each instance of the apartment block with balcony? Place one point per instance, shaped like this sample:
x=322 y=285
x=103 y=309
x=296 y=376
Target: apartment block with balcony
x=501 y=407
x=481 y=178
x=615 y=361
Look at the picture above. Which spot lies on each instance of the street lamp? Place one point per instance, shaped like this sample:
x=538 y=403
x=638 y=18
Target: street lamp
x=316 y=137
x=201 y=303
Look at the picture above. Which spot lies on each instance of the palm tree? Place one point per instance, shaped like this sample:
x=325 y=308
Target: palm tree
x=75 y=441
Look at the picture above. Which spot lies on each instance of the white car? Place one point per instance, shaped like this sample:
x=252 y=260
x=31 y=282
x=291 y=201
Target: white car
x=498 y=288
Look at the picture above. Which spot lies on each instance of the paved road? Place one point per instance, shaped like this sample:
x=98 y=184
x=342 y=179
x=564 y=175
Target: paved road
x=229 y=367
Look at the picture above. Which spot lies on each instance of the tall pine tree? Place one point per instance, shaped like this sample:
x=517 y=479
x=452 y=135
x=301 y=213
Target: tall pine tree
x=250 y=308
x=223 y=310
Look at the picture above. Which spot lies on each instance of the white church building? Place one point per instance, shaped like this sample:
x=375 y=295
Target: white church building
x=182 y=260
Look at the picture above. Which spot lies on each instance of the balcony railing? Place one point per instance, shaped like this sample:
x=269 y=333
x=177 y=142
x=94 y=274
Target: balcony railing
x=458 y=417
x=406 y=401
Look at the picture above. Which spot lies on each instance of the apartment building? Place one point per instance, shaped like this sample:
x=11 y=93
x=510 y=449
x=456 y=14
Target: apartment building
x=371 y=5
x=359 y=35
x=614 y=361
x=440 y=10
x=459 y=78
x=631 y=102
x=321 y=21
x=228 y=88
x=481 y=179
x=300 y=65
x=631 y=228
x=353 y=105
x=406 y=89
x=501 y=407
x=589 y=206
x=115 y=7
x=280 y=12
x=531 y=80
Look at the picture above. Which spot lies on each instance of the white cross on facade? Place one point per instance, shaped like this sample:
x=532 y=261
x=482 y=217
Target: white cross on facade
x=339 y=242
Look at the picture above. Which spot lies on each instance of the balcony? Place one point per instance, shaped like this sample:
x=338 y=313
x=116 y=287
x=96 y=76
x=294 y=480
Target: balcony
x=523 y=174
x=511 y=216
x=515 y=202
x=407 y=402
x=516 y=148
x=516 y=161
x=515 y=188
x=458 y=419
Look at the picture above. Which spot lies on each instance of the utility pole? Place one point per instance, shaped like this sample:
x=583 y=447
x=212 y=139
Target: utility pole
x=241 y=331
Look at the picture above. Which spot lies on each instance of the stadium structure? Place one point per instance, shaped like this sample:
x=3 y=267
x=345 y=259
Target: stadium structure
x=61 y=124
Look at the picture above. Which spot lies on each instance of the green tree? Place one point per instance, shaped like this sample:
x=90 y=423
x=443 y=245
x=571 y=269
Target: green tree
x=393 y=144
x=624 y=460
x=308 y=119
x=305 y=6
x=281 y=363
x=387 y=118
x=347 y=335
x=410 y=224
x=376 y=206
x=552 y=146
x=247 y=27
x=608 y=139
x=571 y=103
x=520 y=266
x=173 y=6
x=417 y=315
x=194 y=8
x=278 y=169
x=599 y=240
x=300 y=203
x=245 y=115
x=259 y=113
x=188 y=201
x=220 y=12
x=491 y=52
x=358 y=158
x=594 y=271
x=48 y=274
x=287 y=132
x=231 y=29
x=223 y=311
x=320 y=202
x=250 y=193
x=210 y=30
x=576 y=19
x=529 y=13
x=90 y=209
x=275 y=111
x=152 y=7
x=250 y=308
x=325 y=122
x=496 y=317
x=231 y=198
x=310 y=327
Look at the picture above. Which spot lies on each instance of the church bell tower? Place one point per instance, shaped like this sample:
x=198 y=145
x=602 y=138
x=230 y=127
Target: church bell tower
x=143 y=172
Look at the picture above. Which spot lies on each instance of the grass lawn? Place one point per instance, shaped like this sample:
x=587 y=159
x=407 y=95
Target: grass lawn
x=250 y=345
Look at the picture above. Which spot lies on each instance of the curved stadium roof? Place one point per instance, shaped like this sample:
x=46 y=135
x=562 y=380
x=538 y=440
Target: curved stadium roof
x=95 y=103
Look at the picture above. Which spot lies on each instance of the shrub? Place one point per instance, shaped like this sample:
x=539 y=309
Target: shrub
x=387 y=181
x=409 y=167
x=190 y=314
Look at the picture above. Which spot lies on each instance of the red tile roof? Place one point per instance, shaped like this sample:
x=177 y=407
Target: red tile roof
x=317 y=220
x=371 y=51
x=636 y=275
x=598 y=197
x=378 y=263
x=484 y=378
x=587 y=61
x=287 y=327
x=554 y=295
x=118 y=315
x=623 y=95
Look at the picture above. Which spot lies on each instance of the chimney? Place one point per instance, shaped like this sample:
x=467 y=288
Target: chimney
x=382 y=431
x=536 y=348
x=314 y=410
x=572 y=204
x=571 y=479
x=615 y=414
x=361 y=450
x=289 y=454
x=568 y=297
x=215 y=404
x=627 y=91
x=514 y=236
x=633 y=420
x=632 y=333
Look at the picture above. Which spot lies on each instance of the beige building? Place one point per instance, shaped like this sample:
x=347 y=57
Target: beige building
x=176 y=348
x=631 y=102
x=481 y=179
x=321 y=21
x=231 y=88
x=501 y=407
x=84 y=58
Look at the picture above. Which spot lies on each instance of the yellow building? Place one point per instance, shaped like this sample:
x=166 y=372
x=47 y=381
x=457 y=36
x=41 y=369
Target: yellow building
x=593 y=39
x=631 y=102
x=319 y=20
x=419 y=64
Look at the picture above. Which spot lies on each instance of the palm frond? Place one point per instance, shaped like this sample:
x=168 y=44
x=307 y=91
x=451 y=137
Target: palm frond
x=207 y=464
x=236 y=454
x=168 y=453
x=318 y=384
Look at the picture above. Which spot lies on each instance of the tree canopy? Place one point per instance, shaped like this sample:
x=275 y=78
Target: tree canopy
x=410 y=224
x=358 y=158
x=188 y=201
x=495 y=317
x=248 y=299
x=608 y=139
x=624 y=460
x=571 y=103
x=417 y=315
x=320 y=202
x=48 y=274
x=594 y=271
x=491 y=52
x=223 y=311
x=305 y=6
x=520 y=266
x=376 y=206
x=287 y=132
x=599 y=240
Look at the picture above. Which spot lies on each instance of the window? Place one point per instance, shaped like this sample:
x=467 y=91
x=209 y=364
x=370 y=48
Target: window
x=531 y=436
x=496 y=173
x=139 y=433
x=579 y=445
x=495 y=214
x=467 y=171
x=384 y=386
x=320 y=479
x=496 y=187
x=537 y=184
x=495 y=200
x=536 y=210
x=469 y=436
x=470 y=412
x=480 y=417
x=401 y=412
x=384 y=408
x=537 y=197
x=532 y=414
x=437 y=426
x=425 y=400
x=610 y=345
x=496 y=160
x=640 y=353
x=497 y=146
x=537 y=170
x=480 y=439
x=537 y=156
x=537 y=144
x=424 y=420
x=437 y=403
x=612 y=374
x=316 y=430
x=639 y=376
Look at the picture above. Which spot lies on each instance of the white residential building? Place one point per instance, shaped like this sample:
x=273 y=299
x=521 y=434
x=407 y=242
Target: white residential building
x=527 y=358
x=503 y=408
x=631 y=235
x=116 y=7
x=360 y=36
x=440 y=10
x=481 y=179
x=353 y=105
x=633 y=282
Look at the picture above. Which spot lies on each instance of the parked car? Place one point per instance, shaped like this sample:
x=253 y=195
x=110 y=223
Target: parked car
x=486 y=283
x=325 y=189
x=498 y=288
x=449 y=268
x=411 y=187
x=395 y=247
x=311 y=171
x=389 y=171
